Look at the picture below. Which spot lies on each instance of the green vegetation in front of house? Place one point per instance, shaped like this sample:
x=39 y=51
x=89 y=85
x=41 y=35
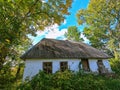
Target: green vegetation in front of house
x=69 y=80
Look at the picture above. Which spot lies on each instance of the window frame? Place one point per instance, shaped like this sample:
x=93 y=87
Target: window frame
x=47 y=67
x=63 y=66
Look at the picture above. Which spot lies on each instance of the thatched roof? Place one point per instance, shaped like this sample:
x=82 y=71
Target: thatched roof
x=59 y=49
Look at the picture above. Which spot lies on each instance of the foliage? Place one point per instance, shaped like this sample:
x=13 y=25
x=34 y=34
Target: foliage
x=69 y=80
x=102 y=24
x=8 y=79
x=115 y=64
x=73 y=34
x=18 y=19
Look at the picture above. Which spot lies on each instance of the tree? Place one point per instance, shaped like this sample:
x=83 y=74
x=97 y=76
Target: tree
x=73 y=34
x=18 y=18
x=102 y=24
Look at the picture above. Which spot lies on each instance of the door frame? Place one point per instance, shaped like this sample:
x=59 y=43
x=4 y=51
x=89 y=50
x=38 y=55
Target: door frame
x=83 y=61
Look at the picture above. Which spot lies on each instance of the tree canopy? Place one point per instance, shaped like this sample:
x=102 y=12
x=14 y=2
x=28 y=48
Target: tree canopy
x=18 y=18
x=102 y=24
x=73 y=34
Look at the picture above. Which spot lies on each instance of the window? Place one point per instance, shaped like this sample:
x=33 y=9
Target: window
x=85 y=65
x=63 y=66
x=47 y=67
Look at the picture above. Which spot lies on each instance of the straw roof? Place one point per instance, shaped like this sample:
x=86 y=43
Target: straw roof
x=60 y=49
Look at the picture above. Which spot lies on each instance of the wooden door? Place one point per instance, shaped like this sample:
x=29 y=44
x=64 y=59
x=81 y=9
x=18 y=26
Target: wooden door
x=85 y=65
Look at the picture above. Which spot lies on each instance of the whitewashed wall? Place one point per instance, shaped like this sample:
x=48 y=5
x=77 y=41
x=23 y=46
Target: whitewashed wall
x=94 y=67
x=32 y=67
x=107 y=65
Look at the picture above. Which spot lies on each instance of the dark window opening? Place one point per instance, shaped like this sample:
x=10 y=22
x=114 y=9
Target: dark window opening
x=47 y=67
x=85 y=65
x=63 y=66
x=100 y=61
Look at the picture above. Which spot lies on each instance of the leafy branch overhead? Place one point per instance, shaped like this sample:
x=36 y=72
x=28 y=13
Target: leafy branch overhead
x=18 y=18
x=102 y=24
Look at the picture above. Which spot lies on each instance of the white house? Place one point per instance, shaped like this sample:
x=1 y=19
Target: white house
x=51 y=55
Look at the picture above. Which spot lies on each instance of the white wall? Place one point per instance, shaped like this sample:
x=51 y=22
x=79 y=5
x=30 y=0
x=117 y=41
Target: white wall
x=32 y=67
x=107 y=65
x=94 y=67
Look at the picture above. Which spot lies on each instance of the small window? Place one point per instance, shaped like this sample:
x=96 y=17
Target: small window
x=63 y=66
x=47 y=67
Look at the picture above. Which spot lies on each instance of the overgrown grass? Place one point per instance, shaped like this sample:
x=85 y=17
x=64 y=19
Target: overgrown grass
x=70 y=81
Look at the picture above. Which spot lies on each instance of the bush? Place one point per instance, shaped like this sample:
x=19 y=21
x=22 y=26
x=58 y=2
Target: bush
x=70 y=81
x=115 y=64
x=6 y=78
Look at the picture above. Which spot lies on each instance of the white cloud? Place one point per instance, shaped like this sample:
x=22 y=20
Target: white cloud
x=44 y=1
x=64 y=22
x=54 y=33
x=50 y=32
x=85 y=39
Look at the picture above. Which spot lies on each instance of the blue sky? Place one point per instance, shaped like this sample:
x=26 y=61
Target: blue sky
x=71 y=19
x=57 y=32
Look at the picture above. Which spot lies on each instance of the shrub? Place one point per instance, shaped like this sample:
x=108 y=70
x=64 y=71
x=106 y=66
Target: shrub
x=70 y=81
x=115 y=64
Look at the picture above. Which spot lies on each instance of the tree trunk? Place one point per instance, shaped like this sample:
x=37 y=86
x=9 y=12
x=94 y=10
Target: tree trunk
x=18 y=72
